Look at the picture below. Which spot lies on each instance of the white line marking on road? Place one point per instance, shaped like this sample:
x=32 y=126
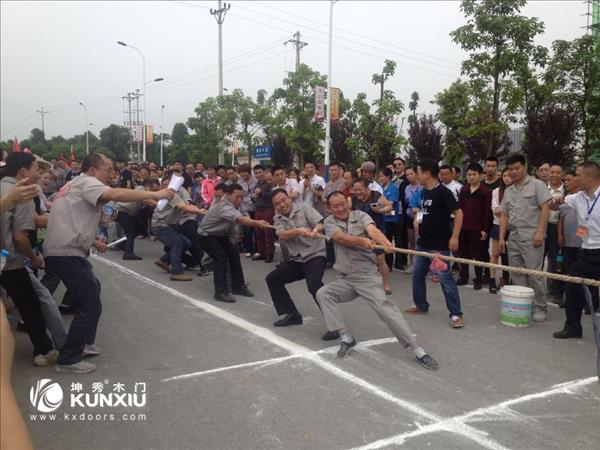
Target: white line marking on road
x=299 y=350
x=264 y=362
x=567 y=388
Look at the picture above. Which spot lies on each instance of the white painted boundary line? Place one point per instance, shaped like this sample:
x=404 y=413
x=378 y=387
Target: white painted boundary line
x=300 y=351
x=567 y=388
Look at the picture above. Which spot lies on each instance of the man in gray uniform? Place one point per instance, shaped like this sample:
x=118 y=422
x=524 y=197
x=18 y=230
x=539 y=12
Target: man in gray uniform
x=355 y=235
x=214 y=238
x=525 y=212
x=297 y=225
x=72 y=227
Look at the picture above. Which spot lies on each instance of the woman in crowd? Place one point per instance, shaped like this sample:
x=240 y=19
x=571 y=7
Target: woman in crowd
x=412 y=192
x=497 y=196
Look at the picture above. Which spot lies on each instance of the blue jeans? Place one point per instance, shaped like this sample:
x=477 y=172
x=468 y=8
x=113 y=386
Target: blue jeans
x=84 y=288
x=175 y=245
x=420 y=269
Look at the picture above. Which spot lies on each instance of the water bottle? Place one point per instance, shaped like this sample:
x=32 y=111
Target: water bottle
x=560 y=261
x=3 y=256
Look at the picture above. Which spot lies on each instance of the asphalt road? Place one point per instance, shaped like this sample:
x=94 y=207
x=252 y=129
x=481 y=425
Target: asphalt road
x=219 y=376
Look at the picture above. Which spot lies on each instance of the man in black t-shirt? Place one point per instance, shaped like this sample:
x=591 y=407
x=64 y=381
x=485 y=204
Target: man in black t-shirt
x=432 y=224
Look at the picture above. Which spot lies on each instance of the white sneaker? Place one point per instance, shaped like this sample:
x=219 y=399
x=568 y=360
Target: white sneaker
x=248 y=255
x=45 y=360
x=539 y=316
x=257 y=254
x=91 y=350
x=80 y=367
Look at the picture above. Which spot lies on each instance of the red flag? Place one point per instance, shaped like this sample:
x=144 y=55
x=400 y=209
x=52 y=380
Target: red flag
x=16 y=146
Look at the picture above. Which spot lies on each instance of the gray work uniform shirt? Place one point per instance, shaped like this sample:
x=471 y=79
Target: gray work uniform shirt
x=131 y=208
x=218 y=220
x=185 y=196
x=352 y=260
x=522 y=204
x=74 y=218
x=17 y=218
x=169 y=215
x=300 y=248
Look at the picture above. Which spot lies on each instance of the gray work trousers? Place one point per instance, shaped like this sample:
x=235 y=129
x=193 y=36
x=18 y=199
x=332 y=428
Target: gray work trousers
x=50 y=312
x=524 y=254
x=370 y=288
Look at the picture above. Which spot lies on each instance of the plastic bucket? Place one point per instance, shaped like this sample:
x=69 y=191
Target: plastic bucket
x=515 y=306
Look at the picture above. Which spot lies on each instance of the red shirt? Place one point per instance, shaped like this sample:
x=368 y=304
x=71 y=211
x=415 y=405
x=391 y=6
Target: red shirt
x=476 y=207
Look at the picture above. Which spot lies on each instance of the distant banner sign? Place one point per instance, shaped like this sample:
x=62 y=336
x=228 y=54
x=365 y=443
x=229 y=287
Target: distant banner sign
x=263 y=152
x=319 y=103
x=139 y=135
x=149 y=134
x=335 y=104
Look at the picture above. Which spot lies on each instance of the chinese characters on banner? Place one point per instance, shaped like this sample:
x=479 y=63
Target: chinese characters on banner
x=319 y=103
x=139 y=135
x=335 y=104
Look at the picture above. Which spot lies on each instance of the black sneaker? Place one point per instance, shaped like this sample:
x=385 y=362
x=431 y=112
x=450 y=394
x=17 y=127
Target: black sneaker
x=345 y=348
x=258 y=257
x=227 y=298
x=330 y=336
x=493 y=288
x=243 y=291
x=289 y=319
x=428 y=362
x=564 y=334
x=131 y=257
x=204 y=272
x=66 y=310
x=476 y=285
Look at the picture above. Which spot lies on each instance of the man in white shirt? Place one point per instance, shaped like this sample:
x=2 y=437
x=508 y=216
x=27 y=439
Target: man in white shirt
x=447 y=179
x=587 y=264
x=311 y=186
x=288 y=184
x=557 y=191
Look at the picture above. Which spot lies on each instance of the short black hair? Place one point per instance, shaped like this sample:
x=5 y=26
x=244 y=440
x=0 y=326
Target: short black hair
x=491 y=158
x=476 y=167
x=258 y=167
x=541 y=163
x=16 y=162
x=591 y=166
x=276 y=168
x=398 y=158
x=361 y=180
x=151 y=181
x=516 y=158
x=230 y=168
x=178 y=161
x=229 y=189
x=456 y=169
x=429 y=165
x=278 y=191
x=331 y=194
x=244 y=168
x=386 y=171
x=313 y=163
x=92 y=160
x=443 y=167
x=338 y=164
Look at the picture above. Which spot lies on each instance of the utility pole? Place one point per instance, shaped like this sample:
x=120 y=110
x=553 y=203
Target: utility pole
x=220 y=18
x=328 y=113
x=42 y=113
x=296 y=42
x=129 y=98
x=136 y=95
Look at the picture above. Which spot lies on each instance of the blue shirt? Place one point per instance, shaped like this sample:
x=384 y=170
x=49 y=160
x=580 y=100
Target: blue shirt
x=392 y=194
x=413 y=198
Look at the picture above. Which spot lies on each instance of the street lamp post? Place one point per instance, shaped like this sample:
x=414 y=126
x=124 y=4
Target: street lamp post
x=87 y=129
x=162 y=115
x=143 y=93
x=328 y=117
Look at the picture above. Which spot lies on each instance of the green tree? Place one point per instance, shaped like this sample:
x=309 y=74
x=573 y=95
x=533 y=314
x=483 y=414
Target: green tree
x=294 y=105
x=203 y=144
x=116 y=139
x=575 y=72
x=425 y=139
x=413 y=105
x=179 y=134
x=500 y=42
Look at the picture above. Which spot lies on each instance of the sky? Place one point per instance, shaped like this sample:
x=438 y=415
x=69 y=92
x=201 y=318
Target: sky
x=58 y=54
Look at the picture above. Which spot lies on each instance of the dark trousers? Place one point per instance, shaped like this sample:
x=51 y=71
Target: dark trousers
x=190 y=230
x=554 y=286
x=587 y=265
x=248 y=236
x=330 y=252
x=471 y=246
x=51 y=282
x=77 y=275
x=402 y=258
x=265 y=239
x=130 y=227
x=223 y=253
x=392 y=232
x=288 y=272
x=18 y=286
x=175 y=245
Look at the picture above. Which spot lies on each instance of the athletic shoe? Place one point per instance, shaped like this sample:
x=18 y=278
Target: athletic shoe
x=80 y=367
x=564 y=334
x=163 y=265
x=289 y=319
x=180 y=277
x=415 y=310
x=226 y=298
x=345 y=348
x=45 y=360
x=457 y=321
x=248 y=255
x=539 y=316
x=428 y=362
x=204 y=272
x=243 y=291
x=257 y=257
x=330 y=336
x=131 y=257
x=91 y=350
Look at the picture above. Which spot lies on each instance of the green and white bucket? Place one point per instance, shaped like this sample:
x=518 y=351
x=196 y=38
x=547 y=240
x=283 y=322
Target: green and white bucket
x=515 y=306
